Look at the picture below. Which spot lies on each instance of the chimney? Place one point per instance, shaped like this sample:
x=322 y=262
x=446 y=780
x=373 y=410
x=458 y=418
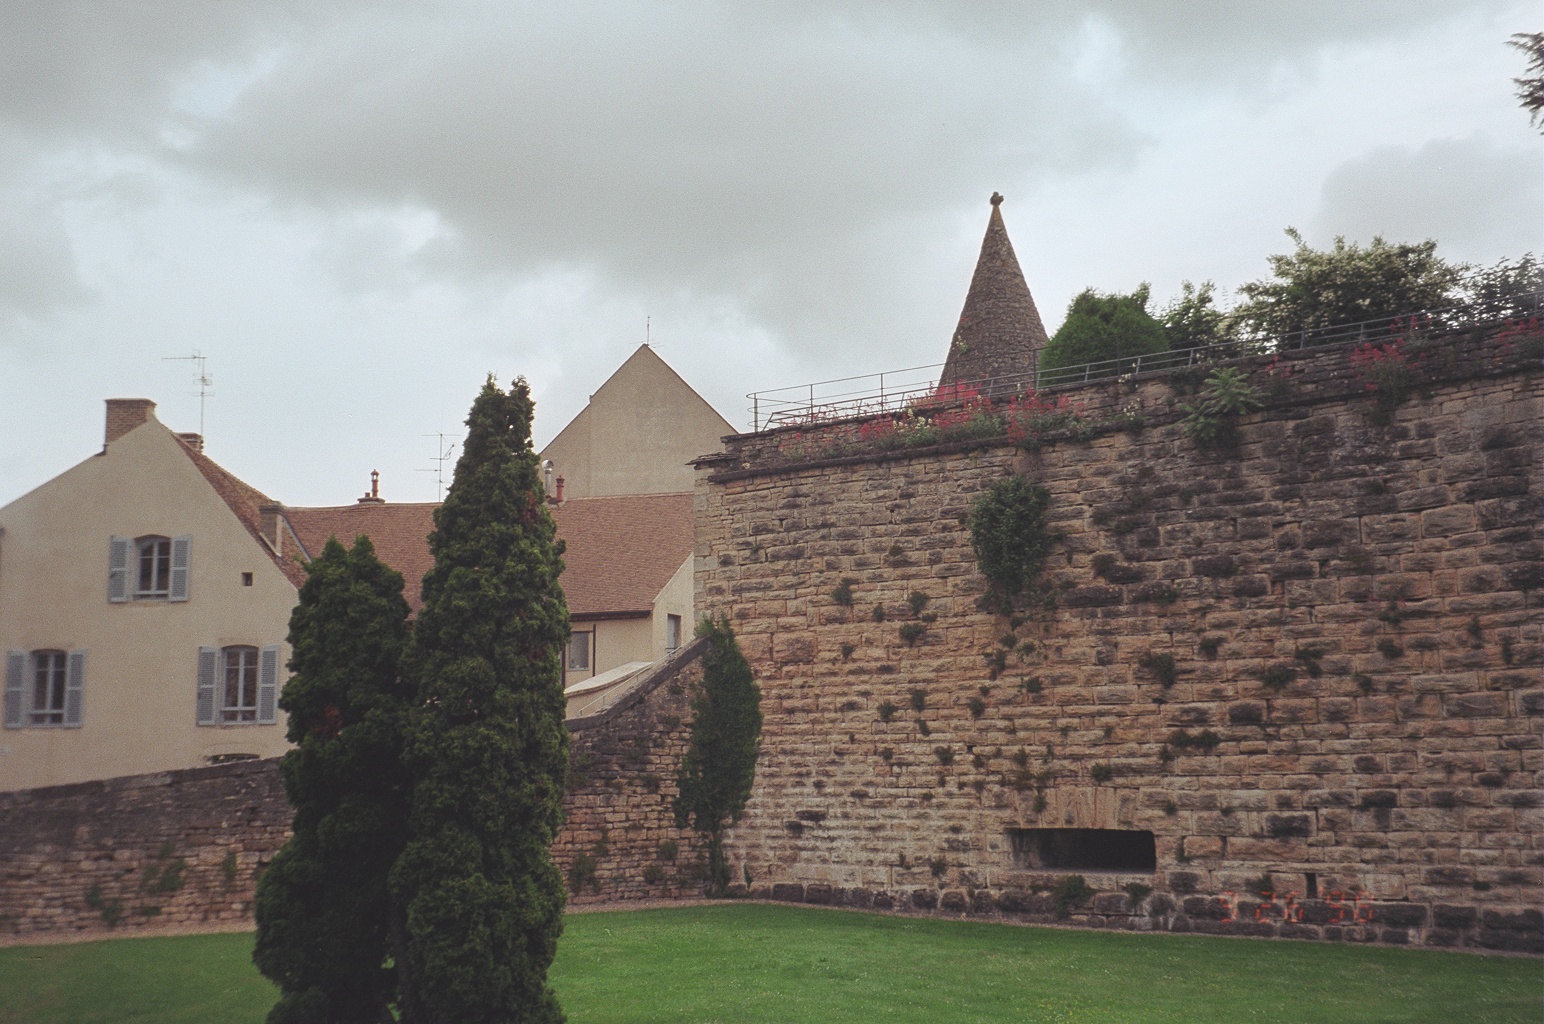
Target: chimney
x=124 y=414
x=374 y=497
x=270 y=520
x=193 y=441
x=557 y=499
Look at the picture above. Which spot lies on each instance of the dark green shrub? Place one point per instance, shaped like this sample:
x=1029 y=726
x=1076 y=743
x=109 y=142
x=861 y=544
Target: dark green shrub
x=977 y=707
x=1309 y=655
x=842 y=595
x=918 y=699
x=1101 y=772
x=1389 y=649
x=944 y=755
x=1277 y=676
x=847 y=650
x=1209 y=645
x=1136 y=892
x=1213 y=420
x=1011 y=538
x=878 y=614
x=886 y=710
x=653 y=874
x=667 y=850
x=1162 y=667
x=1070 y=890
x=918 y=601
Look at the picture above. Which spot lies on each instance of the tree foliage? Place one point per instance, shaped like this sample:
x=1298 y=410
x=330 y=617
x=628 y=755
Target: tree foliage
x=720 y=762
x=1313 y=289
x=1507 y=288
x=1100 y=327
x=1530 y=87
x=1193 y=320
x=324 y=919
x=486 y=746
x=1011 y=537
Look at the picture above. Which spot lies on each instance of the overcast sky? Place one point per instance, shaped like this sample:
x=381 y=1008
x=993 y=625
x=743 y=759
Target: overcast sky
x=355 y=211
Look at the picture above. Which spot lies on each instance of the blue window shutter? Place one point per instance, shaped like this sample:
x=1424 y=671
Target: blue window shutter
x=182 y=555
x=74 y=688
x=118 y=570
x=267 y=684
x=208 y=666
x=15 y=673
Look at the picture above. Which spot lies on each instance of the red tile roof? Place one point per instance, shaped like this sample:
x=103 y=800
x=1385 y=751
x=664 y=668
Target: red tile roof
x=400 y=533
x=622 y=550
x=244 y=500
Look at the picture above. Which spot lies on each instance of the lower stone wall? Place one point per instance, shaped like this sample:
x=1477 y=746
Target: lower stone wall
x=169 y=850
x=184 y=849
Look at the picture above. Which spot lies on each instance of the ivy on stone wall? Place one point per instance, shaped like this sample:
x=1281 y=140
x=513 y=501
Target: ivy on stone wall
x=720 y=761
x=1011 y=538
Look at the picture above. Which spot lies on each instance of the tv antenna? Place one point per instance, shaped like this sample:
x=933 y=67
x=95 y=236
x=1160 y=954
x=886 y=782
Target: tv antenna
x=204 y=381
x=444 y=451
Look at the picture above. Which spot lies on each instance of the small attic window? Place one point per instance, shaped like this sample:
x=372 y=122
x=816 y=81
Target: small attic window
x=1083 y=849
x=246 y=579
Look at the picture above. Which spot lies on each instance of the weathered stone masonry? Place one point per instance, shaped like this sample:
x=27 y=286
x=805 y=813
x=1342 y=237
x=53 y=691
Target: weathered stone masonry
x=1383 y=579
x=185 y=848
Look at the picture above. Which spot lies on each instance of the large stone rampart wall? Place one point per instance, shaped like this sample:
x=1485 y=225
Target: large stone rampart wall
x=185 y=848
x=1353 y=613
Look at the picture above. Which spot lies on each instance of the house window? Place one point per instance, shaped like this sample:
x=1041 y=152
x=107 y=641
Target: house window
x=150 y=568
x=44 y=688
x=238 y=696
x=672 y=633
x=155 y=567
x=238 y=685
x=48 y=674
x=579 y=652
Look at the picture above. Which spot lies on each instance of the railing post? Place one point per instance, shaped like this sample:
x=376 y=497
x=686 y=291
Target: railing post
x=756 y=413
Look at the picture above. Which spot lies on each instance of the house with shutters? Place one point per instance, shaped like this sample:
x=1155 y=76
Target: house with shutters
x=145 y=594
x=142 y=614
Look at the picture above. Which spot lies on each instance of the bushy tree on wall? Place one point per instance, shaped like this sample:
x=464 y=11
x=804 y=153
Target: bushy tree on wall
x=1100 y=327
x=324 y=919
x=486 y=747
x=720 y=761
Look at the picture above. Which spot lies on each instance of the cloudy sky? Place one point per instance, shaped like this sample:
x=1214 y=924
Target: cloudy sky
x=355 y=211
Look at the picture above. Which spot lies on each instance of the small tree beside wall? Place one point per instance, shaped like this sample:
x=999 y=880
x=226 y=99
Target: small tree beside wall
x=720 y=762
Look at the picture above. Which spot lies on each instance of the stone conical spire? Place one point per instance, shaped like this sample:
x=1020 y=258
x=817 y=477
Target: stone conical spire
x=1000 y=332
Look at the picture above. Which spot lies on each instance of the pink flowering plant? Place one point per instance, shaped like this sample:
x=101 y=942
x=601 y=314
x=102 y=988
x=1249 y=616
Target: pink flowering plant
x=1389 y=372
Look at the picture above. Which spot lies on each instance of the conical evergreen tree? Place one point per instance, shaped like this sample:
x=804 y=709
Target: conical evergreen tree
x=487 y=747
x=323 y=912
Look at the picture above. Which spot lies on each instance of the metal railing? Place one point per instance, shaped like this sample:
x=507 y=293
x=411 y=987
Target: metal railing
x=909 y=388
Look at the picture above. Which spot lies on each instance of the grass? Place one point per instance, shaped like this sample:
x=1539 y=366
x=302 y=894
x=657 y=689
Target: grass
x=753 y=963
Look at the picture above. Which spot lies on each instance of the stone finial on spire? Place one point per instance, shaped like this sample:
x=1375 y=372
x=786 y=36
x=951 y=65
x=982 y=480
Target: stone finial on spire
x=999 y=333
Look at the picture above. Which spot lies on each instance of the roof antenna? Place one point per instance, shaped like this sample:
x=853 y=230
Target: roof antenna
x=204 y=381
x=646 y=337
x=443 y=457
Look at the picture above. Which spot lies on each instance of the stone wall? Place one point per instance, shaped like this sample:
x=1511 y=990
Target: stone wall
x=1349 y=723
x=185 y=848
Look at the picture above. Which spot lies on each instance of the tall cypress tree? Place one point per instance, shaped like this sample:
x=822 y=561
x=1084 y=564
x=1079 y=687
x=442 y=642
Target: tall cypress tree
x=487 y=747
x=323 y=912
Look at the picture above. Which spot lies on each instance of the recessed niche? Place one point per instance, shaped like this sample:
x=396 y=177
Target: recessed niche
x=1083 y=849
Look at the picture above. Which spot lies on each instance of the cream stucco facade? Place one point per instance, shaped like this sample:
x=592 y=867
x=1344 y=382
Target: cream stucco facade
x=638 y=434
x=140 y=688
x=617 y=641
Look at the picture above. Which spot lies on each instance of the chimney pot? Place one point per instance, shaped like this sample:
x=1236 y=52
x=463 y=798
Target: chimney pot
x=124 y=414
x=193 y=441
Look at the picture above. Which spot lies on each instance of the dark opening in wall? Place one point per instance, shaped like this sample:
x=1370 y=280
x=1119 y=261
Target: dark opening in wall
x=1083 y=849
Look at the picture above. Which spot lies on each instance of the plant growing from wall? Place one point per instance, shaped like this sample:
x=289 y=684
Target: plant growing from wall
x=842 y=595
x=1070 y=890
x=720 y=761
x=1389 y=373
x=485 y=744
x=1011 y=539
x=325 y=918
x=1161 y=666
x=1212 y=421
x=911 y=632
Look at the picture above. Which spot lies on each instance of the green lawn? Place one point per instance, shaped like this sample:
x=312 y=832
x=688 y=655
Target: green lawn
x=774 y=963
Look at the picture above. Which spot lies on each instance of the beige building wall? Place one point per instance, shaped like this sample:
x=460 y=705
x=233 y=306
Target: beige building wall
x=617 y=642
x=638 y=435
x=141 y=677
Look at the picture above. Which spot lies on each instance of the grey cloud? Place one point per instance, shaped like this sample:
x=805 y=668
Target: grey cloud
x=37 y=265
x=1481 y=201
